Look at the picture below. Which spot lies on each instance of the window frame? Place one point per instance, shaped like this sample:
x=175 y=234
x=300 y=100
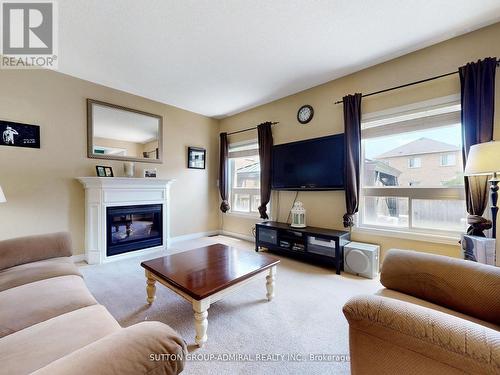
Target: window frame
x=414 y=159
x=232 y=191
x=409 y=193
x=446 y=155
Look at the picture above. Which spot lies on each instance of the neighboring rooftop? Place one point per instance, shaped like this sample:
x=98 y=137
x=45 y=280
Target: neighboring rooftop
x=420 y=146
x=251 y=168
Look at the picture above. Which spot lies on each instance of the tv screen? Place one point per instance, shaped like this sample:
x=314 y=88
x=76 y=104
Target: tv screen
x=313 y=164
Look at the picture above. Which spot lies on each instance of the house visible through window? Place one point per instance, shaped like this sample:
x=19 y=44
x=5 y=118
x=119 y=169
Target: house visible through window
x=404 y=186
x=244 y=178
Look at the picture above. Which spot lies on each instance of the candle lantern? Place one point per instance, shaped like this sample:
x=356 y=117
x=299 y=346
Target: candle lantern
x=298 y=215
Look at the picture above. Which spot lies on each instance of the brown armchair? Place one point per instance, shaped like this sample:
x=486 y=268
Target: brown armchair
x=437 y=315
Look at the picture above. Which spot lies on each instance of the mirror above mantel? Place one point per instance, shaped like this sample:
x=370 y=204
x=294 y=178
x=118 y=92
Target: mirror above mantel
x=120 y=133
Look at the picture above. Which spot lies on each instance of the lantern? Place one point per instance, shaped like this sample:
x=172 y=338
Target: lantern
x=298 y=215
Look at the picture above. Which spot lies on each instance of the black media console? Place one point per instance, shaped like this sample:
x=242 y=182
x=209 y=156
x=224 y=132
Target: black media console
x=319 y=244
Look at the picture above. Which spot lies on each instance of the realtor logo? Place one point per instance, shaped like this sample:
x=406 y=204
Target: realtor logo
x=29 y=37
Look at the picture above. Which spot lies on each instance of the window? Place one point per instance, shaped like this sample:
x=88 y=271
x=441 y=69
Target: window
x=414 y=162
x=448 y=160
x=244 y=178
x=403 y=187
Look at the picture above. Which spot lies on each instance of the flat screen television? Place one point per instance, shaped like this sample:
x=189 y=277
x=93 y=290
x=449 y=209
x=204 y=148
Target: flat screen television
x=313 y=164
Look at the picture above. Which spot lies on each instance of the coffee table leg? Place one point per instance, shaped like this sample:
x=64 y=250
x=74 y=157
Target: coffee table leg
x=200 y=321
x=150 y=287
x=270 y=283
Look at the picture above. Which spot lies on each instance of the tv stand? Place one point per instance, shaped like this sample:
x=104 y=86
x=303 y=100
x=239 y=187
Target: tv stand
x=321 y=245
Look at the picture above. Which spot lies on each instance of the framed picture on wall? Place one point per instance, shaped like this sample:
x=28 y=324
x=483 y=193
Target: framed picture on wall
x=15 y=134
x=196 y=157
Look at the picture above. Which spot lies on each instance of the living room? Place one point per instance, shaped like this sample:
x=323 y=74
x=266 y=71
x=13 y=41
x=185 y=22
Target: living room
x=241 y=96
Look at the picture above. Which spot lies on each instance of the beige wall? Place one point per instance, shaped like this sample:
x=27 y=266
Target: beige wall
x=40 y=185
x=325 y=209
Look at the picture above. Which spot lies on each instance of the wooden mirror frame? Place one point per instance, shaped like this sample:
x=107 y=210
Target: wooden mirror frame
x=90 y=134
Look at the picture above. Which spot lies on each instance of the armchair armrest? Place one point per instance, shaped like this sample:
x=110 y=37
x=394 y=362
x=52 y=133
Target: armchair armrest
x=464 y=286
x=23 y=250
x=144 y=348
x=408 y=334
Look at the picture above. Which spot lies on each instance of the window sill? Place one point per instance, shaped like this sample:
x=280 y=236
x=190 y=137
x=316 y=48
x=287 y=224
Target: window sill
x=447 y=239
x=243 y=215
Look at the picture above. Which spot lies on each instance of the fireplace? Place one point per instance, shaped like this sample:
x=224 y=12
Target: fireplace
x=130 y=228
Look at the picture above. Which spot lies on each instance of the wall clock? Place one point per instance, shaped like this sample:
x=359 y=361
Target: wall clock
x=305 y=114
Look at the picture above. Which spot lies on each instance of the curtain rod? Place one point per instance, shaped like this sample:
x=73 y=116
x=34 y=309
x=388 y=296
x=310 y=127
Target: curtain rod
x=408 y=84
x=246 y=130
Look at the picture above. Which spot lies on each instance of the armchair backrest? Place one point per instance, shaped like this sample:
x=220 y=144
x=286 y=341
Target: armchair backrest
x=464 y=286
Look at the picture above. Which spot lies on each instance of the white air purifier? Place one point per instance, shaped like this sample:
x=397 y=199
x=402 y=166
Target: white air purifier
x=361 y=259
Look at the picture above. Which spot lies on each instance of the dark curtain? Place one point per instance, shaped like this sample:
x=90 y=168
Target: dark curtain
x=352 y=130
x=223 y=171
x=477 y=82
x=265 y=136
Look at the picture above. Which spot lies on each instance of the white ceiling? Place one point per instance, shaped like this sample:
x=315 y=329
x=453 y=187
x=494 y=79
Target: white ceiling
x=113 y=123
x=221 y=57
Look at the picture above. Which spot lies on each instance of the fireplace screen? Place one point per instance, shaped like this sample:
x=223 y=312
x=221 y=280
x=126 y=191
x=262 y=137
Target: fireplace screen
x=133 y=228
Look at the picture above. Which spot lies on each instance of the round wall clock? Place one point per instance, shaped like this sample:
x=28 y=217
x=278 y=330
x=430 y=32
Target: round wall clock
x=305 y=114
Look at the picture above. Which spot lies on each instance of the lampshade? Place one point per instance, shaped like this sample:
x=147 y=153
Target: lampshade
x=483 y=159
x=2 y=196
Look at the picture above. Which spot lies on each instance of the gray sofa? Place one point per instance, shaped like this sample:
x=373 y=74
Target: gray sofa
x=51 y=324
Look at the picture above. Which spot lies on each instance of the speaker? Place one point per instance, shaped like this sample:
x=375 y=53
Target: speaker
x=479 y=249
x=361 y=259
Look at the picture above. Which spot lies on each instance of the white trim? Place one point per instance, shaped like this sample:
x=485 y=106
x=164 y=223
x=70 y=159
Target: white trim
x=237 y=235
x=243 y=143
x=444 y=100
x=414 y=236
x=78 y=258
x=250 y=216
x=193 y=236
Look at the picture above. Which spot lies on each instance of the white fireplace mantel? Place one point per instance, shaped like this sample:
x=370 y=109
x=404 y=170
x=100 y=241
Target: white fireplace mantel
x=103 y=192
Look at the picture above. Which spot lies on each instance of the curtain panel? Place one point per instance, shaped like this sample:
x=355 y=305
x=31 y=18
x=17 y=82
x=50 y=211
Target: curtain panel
x=477 y=81
x=352 y=132
x=223 y=172
x=265 y=137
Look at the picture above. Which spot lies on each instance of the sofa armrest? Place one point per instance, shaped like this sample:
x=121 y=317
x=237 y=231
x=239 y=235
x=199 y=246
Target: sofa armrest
x=464 y=286
x=23 y=250
x=144 y=348
x=439 y=337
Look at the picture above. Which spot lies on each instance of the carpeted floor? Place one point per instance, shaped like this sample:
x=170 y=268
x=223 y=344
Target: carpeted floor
x=304 y=318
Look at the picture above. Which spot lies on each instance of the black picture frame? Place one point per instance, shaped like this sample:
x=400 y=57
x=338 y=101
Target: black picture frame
x=197 y=158
x=104 y=171
x=15 y=134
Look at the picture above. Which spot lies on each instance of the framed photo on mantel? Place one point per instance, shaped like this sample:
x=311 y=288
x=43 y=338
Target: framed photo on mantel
x=15 y=134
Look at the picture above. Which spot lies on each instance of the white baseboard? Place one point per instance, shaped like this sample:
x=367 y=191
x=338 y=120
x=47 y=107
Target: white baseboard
x=186 y=237
x=78 y=258
x=237 y=235
x=192 y=236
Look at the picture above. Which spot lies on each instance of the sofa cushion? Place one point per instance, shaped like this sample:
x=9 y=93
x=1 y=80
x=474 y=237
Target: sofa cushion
x=35 y=347
x=417 y=301
x=30 y=272
x=36 y=302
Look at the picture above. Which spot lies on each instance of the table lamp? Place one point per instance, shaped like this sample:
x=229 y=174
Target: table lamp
x=484 y=160
x=2 y=196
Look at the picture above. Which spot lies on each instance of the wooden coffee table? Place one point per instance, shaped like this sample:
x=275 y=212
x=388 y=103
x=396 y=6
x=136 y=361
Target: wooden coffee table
x=205 y=275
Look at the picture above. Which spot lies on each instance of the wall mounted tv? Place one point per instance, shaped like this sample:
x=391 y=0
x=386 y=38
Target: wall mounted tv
x=313 y=164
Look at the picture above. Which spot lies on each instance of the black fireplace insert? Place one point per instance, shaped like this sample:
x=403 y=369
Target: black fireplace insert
x=132 y=228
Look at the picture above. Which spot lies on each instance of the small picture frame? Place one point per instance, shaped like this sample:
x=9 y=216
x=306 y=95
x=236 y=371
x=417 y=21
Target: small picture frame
x=103 y=171
x=196 y=157
x=150 y=172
